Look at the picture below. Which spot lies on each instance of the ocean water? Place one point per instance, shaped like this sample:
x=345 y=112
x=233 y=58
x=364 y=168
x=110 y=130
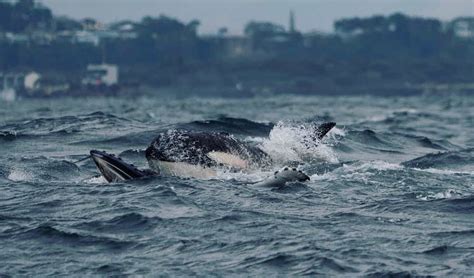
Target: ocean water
x=391 y=190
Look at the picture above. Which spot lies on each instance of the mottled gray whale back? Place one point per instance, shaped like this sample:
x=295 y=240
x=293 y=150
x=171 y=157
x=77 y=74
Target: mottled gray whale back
x=194 y=147
x=197 y=147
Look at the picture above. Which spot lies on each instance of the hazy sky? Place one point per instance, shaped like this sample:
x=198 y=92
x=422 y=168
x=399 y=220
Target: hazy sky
x=233 y=14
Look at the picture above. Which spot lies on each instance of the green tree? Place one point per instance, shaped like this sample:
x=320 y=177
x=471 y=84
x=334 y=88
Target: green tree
x=261 y=30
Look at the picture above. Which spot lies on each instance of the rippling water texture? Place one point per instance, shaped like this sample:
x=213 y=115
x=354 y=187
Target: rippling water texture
x=391 y=189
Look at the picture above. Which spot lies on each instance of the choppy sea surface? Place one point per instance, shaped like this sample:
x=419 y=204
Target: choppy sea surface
x=391 y=190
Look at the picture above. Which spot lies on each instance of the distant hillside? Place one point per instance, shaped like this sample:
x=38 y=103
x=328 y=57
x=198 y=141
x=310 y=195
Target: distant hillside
x=384 y=53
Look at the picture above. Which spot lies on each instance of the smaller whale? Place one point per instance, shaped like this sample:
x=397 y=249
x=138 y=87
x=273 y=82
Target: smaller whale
x=114 y=169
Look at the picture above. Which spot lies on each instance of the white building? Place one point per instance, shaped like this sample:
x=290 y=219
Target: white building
x=100 y=75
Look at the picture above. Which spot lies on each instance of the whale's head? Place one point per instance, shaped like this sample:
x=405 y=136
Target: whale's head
x=113 y=168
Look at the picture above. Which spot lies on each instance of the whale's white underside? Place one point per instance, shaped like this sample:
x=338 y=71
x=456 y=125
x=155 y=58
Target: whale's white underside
x=187 y=170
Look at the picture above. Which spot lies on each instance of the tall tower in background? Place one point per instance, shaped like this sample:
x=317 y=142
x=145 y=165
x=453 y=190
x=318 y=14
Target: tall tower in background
x=292 y=28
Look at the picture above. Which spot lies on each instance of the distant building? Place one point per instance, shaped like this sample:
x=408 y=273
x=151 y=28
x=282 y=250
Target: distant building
x=13 y=83
x=312 y=37
x=230 y=46
x=101 y=75
x=42 y=38
x=17 y=37
x=90 y=24
x=123 y=30
x=463 y=27
x=86 y=37
x=31 y=81
x=236 y=46
x=7 y=86
x=292 y=27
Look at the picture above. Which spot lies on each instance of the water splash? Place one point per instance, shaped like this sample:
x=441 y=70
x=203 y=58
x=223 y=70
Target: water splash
x=447 y=194
x=18 y=175
x=96 y=180
x=297 y=142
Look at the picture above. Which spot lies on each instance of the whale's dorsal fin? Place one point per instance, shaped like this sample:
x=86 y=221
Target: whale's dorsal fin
x=323 y=129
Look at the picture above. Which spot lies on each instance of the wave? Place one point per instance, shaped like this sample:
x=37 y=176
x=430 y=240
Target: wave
x=141 y=138
x=460 y=204
x=130 y=222
x=389 y=116
x=444 y=171
x=42 y=168
x=96 y=180
x=468 y=233
x=451 y=201
x=389 y=274
x=237 y=126
x=378 y=165
x=447 y=194
x=54 y=235
x=453 y=160
x=395 y=142
x=427 y=143
x=438 y=250
x=368 y=137
x=401 y=117
x=8 y=135
x=20 y=175
x=63 y=125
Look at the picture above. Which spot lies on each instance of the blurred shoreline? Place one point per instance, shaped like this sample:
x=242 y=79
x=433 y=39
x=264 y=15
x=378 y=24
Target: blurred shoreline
x=44 y=55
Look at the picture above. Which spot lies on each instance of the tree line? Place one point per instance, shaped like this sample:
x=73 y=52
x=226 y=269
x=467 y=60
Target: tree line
x=373 y=50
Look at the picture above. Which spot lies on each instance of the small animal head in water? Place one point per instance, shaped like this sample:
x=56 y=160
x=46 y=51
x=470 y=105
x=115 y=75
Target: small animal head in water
x=291 y=174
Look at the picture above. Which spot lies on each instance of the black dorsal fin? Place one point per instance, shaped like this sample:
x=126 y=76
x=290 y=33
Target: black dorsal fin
x=323 y=129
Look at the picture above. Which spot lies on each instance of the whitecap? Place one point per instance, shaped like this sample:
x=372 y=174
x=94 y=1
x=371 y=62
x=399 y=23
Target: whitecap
x=290 y=142
x=19 y=175
x=444 y=171
x=96 y=180
x=378 y=165
x=448 y=194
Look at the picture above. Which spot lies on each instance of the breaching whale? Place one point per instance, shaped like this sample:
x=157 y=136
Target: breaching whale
x=198 y=154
